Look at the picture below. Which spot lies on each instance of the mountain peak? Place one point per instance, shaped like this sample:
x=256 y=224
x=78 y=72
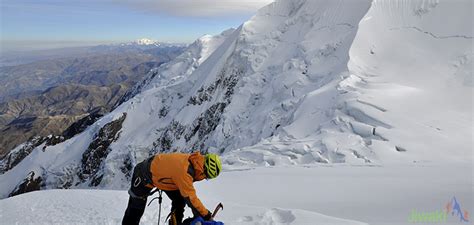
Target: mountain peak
x=143 y=42
x=146 y=41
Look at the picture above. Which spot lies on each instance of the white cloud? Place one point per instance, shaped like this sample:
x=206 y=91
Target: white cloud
x=198 y=8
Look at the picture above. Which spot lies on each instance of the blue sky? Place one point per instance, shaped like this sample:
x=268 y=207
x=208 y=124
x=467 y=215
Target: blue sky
x=55 y=23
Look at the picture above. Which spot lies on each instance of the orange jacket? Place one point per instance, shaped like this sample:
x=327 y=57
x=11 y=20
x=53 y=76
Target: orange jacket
x=178 y=171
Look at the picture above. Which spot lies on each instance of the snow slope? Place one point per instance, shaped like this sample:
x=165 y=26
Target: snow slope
x=374 y=195
x=411 y=66
x=302 y=82
x=406 y=94
x=76 y=207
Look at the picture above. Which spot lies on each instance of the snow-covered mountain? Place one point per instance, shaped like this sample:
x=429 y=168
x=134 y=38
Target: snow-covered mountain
x=150 y=43
x=146 y=41
x=301 y=82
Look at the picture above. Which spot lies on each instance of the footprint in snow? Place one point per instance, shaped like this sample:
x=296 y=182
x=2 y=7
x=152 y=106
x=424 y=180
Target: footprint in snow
x=246 y=219
x=275 y=217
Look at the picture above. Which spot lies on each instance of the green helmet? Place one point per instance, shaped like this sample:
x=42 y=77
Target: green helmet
x=212 y=165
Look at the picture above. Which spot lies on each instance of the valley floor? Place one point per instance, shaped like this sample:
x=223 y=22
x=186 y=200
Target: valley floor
x=379 y=195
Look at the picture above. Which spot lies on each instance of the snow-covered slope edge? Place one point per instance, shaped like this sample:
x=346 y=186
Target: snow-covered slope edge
x=76 y=207
x=298 y=83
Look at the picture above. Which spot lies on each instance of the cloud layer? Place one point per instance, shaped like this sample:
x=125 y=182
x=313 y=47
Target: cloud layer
x=197 y=8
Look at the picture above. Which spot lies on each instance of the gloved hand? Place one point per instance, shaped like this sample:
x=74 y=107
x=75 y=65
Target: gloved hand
x=208 y=216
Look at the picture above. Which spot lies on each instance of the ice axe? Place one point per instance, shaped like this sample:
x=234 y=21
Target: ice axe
x=216 y=210
x=200 y=221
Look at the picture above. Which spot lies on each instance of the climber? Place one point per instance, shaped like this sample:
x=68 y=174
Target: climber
x=173 y=173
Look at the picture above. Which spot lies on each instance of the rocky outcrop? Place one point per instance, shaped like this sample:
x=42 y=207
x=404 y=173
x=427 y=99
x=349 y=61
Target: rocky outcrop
x=30 y=183
x=98 y=150
x=16 y=156
x=174 y=131
x=80 y=125
x=22 y=151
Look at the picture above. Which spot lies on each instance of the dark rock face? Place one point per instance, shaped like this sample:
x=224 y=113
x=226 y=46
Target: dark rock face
x=203 y=95
x=30 y=183
x=226 y=81
x=127 y=167
x=12 y=159
x=98 y=150
x=80 y=125
x=53 y=140
x=163 y=111
x=230 y=82
x=174 y=131
x=206 y=122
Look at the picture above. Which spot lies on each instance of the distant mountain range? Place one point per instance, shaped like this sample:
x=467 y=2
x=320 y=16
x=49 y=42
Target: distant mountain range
x=48 y=95
x=14 y=58
x=150 y=42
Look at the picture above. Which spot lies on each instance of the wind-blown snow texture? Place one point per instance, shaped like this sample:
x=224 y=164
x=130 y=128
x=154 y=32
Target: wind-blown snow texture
x=76 y=207
x=377 y=195
x=301 y=82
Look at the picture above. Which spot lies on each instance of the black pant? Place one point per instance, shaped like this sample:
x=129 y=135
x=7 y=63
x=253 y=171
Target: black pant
x=138 y=197
x=177 y=204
